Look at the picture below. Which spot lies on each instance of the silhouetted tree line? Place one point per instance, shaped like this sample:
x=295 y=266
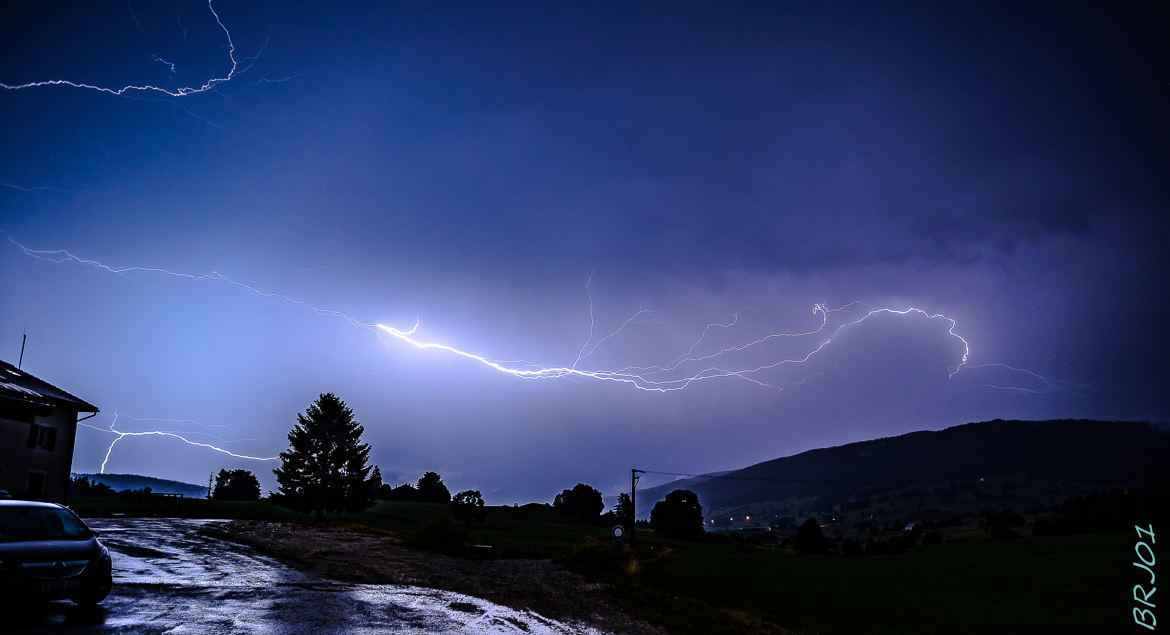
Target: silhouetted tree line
x=1114 y=510
x=325 y=471
x=429 y=489
x=82 y=486
x=810 y=539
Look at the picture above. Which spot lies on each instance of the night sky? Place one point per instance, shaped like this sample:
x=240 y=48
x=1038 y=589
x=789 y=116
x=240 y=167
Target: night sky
x=485 y=169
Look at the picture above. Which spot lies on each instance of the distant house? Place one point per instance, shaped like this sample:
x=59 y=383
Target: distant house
x=38 y=423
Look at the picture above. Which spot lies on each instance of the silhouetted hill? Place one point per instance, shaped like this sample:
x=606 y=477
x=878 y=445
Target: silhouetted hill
x=1080 y=451
x=120 y=482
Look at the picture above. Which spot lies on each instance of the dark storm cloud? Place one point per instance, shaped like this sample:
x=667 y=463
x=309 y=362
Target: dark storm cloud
x=786 y=140
x=468 y=166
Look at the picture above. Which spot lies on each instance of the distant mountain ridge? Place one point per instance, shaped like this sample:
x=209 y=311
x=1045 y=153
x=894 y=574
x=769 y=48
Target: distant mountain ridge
x=1083 y=451
x=120 y=482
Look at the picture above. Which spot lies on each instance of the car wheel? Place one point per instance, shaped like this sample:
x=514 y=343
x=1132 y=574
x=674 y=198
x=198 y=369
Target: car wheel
x=94 y=595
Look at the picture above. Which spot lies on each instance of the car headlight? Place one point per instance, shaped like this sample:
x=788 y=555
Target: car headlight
x=102 y=561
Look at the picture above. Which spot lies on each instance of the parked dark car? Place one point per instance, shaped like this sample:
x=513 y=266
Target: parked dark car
x=47 y=551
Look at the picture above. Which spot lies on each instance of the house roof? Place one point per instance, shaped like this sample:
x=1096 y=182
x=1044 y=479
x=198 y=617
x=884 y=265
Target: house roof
x=19 y=385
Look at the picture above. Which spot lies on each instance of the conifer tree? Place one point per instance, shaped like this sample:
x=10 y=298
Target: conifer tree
x=324 y=470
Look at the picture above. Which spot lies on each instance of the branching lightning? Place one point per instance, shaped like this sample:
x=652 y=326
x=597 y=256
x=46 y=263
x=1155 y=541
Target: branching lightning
x=147 y=88
x=668 y=377
x=646 y=378
x=120 y=434
x=160 y=60
x=61 y=255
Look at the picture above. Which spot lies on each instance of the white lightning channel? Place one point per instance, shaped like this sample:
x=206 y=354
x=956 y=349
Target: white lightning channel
x=657 y=378
x=178 y=92
x=589 y=296
x=642 y=380
x=61 y=255
x=164 y=433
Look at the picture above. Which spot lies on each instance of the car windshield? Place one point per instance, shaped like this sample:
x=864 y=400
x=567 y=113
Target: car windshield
x=40 y=523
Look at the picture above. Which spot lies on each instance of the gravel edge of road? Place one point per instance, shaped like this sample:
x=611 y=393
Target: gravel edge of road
x=347 y=555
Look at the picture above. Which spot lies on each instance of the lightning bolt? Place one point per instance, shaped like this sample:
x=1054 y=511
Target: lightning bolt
x=61 y=255
x=147 y=88
x=657 y=378
x=641 y=377
x=1050 y=384
x=160 y=60
x=166 y=433
x=48 y=188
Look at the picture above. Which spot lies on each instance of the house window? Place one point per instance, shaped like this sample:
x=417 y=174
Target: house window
x=42 y=437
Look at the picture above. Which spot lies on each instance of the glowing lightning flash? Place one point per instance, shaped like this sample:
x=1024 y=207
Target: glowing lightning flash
x=642 y=378
x=661 y=378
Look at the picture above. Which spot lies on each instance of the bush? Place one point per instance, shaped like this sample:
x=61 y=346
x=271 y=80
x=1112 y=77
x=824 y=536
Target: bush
x=443 y=535
x=809 y=538
x=596 y=555
x=679 y=515
x=899 y=544
x=236 y=485
x=468 y=506
x=431 y=489
x=1000 y=523
x=405 y=492
x=582 y=502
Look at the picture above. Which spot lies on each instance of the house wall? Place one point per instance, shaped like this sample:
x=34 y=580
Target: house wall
x=21 y=466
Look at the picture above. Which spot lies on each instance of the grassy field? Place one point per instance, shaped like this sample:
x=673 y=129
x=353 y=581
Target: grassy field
x=1048 y=585
x=1070 y=584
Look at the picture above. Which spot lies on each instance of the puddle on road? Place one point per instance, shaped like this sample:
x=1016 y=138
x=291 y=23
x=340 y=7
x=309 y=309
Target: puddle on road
x=169 y=577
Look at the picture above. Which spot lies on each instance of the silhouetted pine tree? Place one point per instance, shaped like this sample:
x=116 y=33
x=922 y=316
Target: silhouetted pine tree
x=324 y=470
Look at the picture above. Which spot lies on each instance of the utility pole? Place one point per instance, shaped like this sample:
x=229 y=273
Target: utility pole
x=634 y=505
x=23 y=339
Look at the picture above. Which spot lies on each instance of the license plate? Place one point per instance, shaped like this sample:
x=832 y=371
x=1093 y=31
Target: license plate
x=58 y=585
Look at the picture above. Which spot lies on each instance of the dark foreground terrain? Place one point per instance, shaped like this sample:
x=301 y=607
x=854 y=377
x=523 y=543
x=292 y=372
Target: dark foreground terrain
x=362 y=556
x=170 y=576
x=968 y=583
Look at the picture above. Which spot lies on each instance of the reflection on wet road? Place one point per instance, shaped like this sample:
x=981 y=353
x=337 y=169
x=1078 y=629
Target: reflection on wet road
x=170 y=578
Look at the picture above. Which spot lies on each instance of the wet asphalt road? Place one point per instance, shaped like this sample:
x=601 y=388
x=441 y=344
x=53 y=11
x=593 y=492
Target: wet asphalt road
x=170 y=578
